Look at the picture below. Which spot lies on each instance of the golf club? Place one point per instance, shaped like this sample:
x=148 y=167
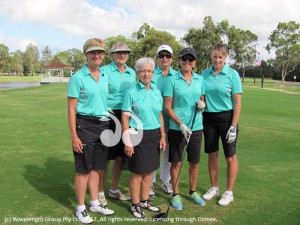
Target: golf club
x=163 y=215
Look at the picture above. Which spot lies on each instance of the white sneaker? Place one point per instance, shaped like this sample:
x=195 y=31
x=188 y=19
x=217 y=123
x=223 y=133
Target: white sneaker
x=118 y=195
x=167 y=188
x=101 y=209
x=149 y=205
x=83 y=217
x=102 y=200
x=137 y=212
x=226 y=199
x=211 y=193
x=151 y=192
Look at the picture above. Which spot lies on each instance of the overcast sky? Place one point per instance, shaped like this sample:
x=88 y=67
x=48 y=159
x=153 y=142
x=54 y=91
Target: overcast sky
x=66 y=24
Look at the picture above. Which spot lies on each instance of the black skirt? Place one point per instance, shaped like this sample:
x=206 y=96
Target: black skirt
x=146 y=155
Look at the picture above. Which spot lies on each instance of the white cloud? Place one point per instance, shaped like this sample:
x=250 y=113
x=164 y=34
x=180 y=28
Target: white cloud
x=76 y=17
x=259 y=16
x=20 y=44
x=83 y=18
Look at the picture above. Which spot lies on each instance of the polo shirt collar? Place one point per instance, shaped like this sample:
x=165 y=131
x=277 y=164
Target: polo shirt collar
x=179 y=75
x=86 y=71
x=171 y=71
x=142 y=86
x=115 y=68
x=224 y=69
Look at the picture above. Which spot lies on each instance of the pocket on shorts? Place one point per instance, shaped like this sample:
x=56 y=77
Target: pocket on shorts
x=79 y=124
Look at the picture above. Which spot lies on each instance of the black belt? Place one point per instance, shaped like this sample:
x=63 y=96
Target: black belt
x=221 y=112
x=93 y=118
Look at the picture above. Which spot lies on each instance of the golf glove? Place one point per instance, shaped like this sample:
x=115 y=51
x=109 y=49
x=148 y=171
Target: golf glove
x=185 y=131
x=231 y=134
x=200 y=105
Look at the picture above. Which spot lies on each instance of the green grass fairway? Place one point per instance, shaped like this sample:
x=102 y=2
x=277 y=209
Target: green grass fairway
x=20 y=78
x=37 y=166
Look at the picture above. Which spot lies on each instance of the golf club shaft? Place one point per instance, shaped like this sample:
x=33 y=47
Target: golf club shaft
x=185 y=147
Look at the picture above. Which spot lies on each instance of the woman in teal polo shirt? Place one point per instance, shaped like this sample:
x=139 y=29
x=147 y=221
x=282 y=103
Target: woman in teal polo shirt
x=87 y=112
x=162 y=71
x=223 y=107
x=183 y=90
x=142 y=111
x=120 y=78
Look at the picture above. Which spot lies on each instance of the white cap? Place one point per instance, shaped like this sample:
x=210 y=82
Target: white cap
x=164 y=48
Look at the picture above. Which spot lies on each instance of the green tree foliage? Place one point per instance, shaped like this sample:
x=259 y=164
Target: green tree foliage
x=71 y=57
x=150 y=39
x=144 y=42
x=267 y=68
x=63 y=56
x=4 y=59
x=46 y=55
x=77 y=59
x=285 y=39
x=31 y=61
x=238 y=42
x=202 y=40
x=17 y=63
x=143 y=31
x=240 y=47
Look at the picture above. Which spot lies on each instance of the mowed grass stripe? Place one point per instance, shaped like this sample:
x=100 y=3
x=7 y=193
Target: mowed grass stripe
x=37 y=166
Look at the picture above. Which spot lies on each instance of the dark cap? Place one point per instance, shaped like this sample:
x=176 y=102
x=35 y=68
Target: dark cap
x=188 y=51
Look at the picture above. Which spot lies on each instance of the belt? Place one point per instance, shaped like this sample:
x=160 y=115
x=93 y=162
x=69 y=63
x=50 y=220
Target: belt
x=92 y=118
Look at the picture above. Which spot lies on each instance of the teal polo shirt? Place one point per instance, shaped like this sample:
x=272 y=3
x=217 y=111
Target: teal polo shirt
x=118 y=83
x=91 y=95
x=145 y=105
x=219 y=89
x=184 y=99
x=160 y=82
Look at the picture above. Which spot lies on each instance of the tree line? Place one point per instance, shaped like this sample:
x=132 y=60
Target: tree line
x=285 y=40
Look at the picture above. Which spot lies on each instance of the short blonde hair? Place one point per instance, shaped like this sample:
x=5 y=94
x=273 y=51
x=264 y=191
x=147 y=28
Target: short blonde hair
x=94 y=44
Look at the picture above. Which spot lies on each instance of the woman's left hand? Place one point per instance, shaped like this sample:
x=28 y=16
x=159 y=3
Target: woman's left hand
x=162 y=143
x=129 y=151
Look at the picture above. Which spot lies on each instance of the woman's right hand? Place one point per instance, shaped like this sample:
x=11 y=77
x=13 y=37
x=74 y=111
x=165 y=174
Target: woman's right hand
x=129 y=151
x=77 y=145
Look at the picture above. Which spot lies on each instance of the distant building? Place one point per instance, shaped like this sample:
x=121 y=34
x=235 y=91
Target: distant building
x=55 y=73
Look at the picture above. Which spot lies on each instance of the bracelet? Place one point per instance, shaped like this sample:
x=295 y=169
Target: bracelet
x=163 y=134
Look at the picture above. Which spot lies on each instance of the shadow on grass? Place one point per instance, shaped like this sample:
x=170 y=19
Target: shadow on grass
x=55 y=180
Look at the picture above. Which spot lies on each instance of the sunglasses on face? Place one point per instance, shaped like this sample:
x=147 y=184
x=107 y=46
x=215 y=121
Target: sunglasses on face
x=190 y=58
x=122 y=52
x=161 y=56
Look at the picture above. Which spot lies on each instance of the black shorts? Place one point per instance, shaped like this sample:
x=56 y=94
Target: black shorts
x=146 y=155
x=177 y=143
x=216 y=125
x=94 y=152
x=118 y=149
